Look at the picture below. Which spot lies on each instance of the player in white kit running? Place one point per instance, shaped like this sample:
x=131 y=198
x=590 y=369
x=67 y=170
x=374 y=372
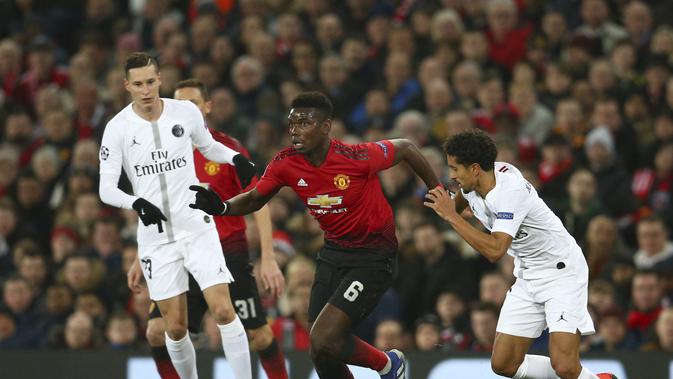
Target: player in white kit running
x=152 y=139
x=551 y=273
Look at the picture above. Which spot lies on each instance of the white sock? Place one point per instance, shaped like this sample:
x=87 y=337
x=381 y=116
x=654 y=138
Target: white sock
x=387 y=367
x=183 y=356
x=586 y=374
x=235 y=346
x=535 y=367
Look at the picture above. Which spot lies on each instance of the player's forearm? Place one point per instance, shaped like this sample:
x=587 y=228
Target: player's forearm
x=265 y=229
x=484 y=243
x=409 y=153
x=217 y=152
x=110 y=193
x=243 y=204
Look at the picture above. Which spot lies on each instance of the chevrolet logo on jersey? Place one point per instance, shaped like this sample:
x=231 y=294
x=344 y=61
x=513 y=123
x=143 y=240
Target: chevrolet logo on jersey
x=325 y=201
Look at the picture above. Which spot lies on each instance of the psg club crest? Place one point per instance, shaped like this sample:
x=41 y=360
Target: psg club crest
x=342 y=181
x=177 y=130
x=212 y=168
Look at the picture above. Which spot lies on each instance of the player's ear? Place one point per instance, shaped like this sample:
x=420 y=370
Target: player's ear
x=208 y=106
x=327 y=125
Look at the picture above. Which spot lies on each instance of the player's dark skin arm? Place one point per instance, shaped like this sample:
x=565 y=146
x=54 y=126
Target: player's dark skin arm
x=247 y=202
x=409 y=153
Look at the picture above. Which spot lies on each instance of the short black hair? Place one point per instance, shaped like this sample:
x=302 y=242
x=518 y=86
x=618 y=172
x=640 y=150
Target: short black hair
x=139 y=59
x=194 y=83
x=314 y=99
x=472 y=146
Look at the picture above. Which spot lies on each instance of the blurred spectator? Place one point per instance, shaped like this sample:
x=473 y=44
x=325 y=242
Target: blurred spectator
x=602 y=297
x=646 y=299
x=493 y=288
x=436 y=267
x=483 y=320
x=638 y=23
x=602 y=246
x=33 y=267
x=581 y=204
x=18 y=297
x=7 y=329
x=664 y=333
x=79 y=333
x=654 y=186
x=612 y=334
x=597 y=23
x=655 y=250
x=426 y=334
x=555 y=168
x=613 y=182
x=292 y=332
x=122 y=332
x=506 y=37
x=454 y=321
x=389 y=335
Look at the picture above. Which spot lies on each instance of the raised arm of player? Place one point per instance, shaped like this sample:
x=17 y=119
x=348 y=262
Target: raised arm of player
x=242 y=204
x=406 y=151
x=492 y=246
x=272 y=277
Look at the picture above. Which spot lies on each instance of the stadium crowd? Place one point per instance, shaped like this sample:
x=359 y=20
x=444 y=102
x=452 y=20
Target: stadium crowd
x=578 y=94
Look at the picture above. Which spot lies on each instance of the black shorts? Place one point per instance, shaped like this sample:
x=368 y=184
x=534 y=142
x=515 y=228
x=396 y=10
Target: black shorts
x=355 y=285
x=244 y=296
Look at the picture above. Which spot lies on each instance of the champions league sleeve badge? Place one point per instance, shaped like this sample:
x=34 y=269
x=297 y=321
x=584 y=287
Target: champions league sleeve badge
x=178 y=130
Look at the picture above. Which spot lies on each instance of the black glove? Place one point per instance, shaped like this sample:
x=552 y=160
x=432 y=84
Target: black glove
x=244 y=169
x=149 y=213
x=208 y=201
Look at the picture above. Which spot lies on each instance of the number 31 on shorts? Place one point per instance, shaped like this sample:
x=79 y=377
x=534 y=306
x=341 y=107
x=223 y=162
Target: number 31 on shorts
x=353 y=291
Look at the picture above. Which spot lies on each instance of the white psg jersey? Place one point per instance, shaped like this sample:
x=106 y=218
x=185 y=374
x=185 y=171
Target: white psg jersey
x=540 y=241
x=158 y=159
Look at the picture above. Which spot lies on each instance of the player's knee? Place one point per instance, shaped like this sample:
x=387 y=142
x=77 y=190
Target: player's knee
x=566 y=369
x=260 y=338
x=223 y=313
x=503 y=368
x=176 y=331
x=324 y=343
x=155 y=332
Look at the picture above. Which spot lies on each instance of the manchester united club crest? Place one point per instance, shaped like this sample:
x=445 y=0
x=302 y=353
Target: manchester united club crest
x=212 y=168
x=342 y=181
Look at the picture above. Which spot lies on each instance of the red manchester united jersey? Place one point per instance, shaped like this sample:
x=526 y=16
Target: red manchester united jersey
x=343 y=194
x=223 y=179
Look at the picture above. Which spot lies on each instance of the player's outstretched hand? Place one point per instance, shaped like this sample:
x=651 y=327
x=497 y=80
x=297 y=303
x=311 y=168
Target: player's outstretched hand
x=149 y=214
x=440 y=201
x=207 y=200
x=272 y=277
x=244 y=169
x=134 y=276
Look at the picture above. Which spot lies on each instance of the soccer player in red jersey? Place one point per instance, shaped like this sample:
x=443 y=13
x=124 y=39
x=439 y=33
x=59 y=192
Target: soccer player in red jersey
x=231 y=230
x=339 y=184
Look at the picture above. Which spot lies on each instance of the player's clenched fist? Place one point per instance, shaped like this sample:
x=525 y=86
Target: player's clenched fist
x=244 y=169
x=208 y=201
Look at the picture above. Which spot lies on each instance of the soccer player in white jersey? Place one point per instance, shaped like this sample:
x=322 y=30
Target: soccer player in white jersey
x=550 y=269
x=152 y=140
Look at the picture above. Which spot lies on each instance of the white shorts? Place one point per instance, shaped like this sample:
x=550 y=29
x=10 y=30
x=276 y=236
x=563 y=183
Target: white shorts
x=165 y=266
x=559 y=303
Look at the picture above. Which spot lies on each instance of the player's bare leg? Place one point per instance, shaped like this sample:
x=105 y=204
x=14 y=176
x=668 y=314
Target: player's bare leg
x=564 y=349
x=272 y=358
x=178 y=343
x=234 y=339
x=333 y=345
x=509 y=353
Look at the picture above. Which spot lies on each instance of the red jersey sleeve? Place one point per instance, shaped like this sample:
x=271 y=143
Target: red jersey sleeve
x=381 y=155
x=271 y=181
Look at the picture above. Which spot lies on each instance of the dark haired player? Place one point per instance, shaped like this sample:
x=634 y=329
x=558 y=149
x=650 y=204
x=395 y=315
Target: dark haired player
x=231 y=230
x=152 y=139
x=339 y=184
x=550 y=269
